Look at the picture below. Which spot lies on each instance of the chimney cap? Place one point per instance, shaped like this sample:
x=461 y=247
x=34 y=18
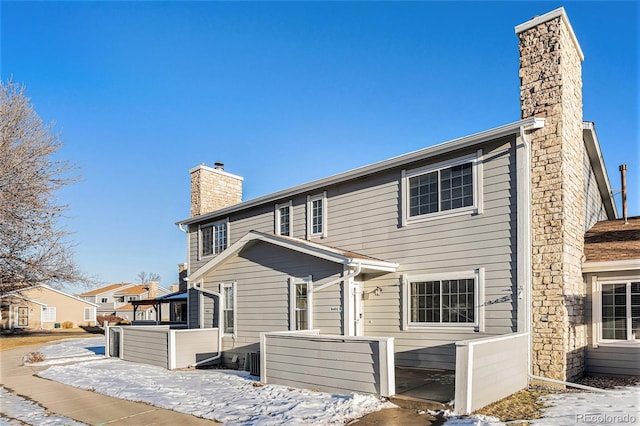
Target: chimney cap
x=218 y=165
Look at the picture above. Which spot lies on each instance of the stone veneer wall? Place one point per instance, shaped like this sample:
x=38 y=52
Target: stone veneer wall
x=551 y=87
x=213 y=189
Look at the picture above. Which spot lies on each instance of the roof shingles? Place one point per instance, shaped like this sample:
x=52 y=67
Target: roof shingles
x=613 y=240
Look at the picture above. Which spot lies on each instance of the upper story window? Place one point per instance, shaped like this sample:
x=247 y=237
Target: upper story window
x=283 y=219
x=317 y=215
x=620 y=310
x=442 y=189
x=213 y=238
x=103 y=300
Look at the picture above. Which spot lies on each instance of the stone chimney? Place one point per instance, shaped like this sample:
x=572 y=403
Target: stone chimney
x=152 y=287
x=182 y=275
x=213 y=189
x=551 y=87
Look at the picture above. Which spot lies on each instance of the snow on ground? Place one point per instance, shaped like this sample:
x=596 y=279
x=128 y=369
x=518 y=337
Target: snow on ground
x=236 y=397
x=620 y=406
x=18 y=411
x=71 y=350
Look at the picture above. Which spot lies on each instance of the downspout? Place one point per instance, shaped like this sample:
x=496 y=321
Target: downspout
x=340 y=279
x=529 y=289
x=219 y=354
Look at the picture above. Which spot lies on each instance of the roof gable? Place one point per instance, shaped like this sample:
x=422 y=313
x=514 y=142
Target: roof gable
x=105 y=289
x=320 y=251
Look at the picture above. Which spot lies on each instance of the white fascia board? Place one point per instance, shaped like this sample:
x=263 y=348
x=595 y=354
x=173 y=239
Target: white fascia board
x=592 y=146
x=424 y=153
x=611 y=266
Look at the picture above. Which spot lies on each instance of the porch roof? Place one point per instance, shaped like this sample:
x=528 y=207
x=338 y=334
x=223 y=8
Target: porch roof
x=321 y=251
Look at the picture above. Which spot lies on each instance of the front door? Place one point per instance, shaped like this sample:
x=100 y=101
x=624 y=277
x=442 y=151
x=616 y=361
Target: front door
x=356 y=328
x=23 y=316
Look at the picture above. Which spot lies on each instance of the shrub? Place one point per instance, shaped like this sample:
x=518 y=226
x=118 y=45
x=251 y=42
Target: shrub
x=67 y=324
x=112 y=319
x=34 y=357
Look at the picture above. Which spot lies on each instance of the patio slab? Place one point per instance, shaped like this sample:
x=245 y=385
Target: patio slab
x=430 y=385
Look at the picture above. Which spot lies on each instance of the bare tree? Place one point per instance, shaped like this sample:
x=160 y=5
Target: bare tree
x=34 y=248
x=144 y=277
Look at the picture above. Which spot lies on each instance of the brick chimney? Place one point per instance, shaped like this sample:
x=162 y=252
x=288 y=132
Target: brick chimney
x=213 y=189
x=551 y=87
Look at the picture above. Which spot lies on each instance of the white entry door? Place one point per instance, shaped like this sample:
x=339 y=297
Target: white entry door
x=356 y=328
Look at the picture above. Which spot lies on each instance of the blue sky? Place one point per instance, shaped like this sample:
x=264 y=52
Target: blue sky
x=282 y=93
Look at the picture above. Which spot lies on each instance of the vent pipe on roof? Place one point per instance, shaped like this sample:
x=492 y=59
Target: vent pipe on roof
x=623 y=178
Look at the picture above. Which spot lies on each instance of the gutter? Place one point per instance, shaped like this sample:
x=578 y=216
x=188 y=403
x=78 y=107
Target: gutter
x=220 y=310
x=340 y=279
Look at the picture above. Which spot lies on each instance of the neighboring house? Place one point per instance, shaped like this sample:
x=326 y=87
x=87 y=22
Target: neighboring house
x=43 y=307
x=105 y=297
x=113 y=299
x=478 y=239
x=612 y=277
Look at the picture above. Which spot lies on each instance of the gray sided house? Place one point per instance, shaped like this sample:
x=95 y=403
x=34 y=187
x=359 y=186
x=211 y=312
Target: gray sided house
x=467 y=253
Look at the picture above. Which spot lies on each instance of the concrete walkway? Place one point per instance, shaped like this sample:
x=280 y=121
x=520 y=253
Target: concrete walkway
x=81 y=405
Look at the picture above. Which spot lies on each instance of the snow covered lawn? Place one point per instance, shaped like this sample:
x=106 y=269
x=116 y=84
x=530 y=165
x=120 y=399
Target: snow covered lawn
x=236 y=397
x=227 y=396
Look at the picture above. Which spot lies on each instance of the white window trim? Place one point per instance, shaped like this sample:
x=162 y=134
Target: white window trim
x=292 y=302
x=91 y=316
x=46 y=314
x=310 y=200
x=476 y=208
x=206 y=225
x=478 y=296
x=596 y=310
x=235 y=308
x=277 y=218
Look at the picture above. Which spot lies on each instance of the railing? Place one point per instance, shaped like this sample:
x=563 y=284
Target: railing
x=490 y=369
x=338 y=364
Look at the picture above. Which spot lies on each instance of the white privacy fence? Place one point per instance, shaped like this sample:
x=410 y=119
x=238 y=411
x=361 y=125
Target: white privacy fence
x=329 y=363
x=160 y=345
x=490 y=369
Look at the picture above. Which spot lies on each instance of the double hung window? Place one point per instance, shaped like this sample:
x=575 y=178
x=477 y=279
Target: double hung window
x=229 y=307
x=300 y=304
x=213 y=238
x=317 y=215
x=283 y=219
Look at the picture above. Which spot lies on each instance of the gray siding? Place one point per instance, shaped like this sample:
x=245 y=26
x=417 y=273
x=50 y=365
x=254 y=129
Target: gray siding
x=609 y=359
x=261 y=273
x=613 y=360
x=594 y=206
x=195 y=345
x=327 y=364
x=495 y=368
x=146 y=345
x=364 y=216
